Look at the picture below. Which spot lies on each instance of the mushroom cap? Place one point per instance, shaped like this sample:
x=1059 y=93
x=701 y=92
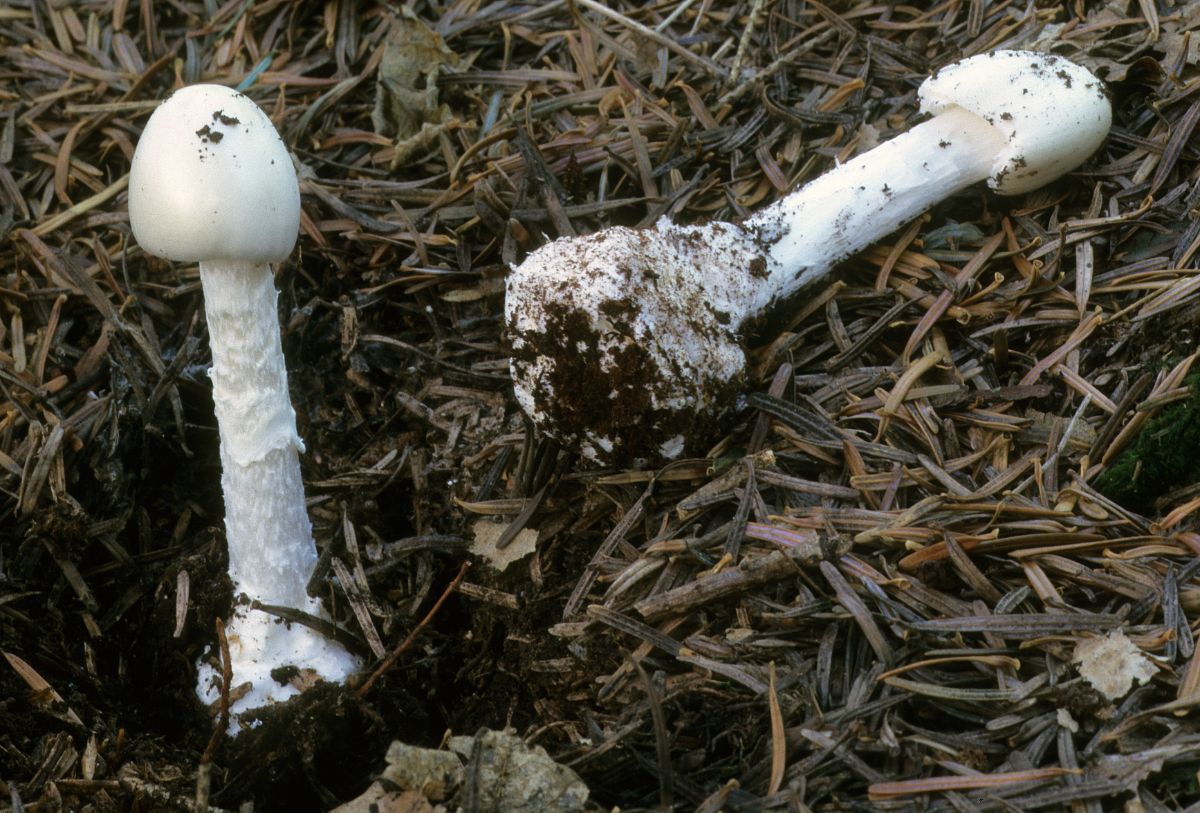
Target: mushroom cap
x=212 y=180
x=1052 y=113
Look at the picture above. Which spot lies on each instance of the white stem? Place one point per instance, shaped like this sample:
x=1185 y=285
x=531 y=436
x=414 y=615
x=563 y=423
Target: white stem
x=271 y=550
x=869 y=197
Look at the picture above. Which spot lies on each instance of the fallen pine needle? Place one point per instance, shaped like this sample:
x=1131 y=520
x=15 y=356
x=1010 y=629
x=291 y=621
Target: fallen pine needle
x=941 y=784
x=778 y=740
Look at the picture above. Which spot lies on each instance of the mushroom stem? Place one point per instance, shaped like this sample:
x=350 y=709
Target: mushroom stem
x=267 y=530
x=260 y=465
x=869 y=197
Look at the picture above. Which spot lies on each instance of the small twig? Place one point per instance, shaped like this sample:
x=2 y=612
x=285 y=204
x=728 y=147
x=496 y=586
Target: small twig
x=223 y=707
x=653 y=36
x=755 y=16
x=203 y=786
x=760 y=77
x=391 y=659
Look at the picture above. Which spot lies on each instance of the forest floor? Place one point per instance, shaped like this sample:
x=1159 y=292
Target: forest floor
x=958 y=491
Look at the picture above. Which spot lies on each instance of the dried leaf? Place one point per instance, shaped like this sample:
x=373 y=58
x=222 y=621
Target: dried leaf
x=406 y=91
x=1112 y=664
x=488 y=533
x=512 y=776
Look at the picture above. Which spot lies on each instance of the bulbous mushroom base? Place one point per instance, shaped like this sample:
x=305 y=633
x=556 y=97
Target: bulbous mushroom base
x=277 y=659
x=624 y=342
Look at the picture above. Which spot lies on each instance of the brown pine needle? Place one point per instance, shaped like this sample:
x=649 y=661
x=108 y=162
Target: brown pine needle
x=880 y=791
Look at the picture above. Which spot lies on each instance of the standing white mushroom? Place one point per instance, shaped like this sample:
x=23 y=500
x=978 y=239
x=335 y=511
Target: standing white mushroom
x=211 y=181
x=624 y=342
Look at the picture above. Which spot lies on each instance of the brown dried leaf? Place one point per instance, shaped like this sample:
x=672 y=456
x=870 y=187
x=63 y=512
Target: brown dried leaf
x=1112 y=664
x=487 y=533
x=406 y=91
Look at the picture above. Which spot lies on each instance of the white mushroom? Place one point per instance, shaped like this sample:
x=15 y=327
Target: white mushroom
x=625 y=342
x=211 y=181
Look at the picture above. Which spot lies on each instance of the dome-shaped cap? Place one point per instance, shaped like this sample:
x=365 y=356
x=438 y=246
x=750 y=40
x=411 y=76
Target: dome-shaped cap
x=1052 y=113
x=212 y=180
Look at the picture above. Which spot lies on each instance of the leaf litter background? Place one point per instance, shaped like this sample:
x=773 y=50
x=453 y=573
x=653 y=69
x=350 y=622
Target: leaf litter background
x=885 y=587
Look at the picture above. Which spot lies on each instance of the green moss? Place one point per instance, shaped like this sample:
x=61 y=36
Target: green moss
x=1162 y=457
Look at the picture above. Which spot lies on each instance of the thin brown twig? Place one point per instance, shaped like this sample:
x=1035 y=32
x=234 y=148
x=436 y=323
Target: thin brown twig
x=218 y=733
x=391 y=659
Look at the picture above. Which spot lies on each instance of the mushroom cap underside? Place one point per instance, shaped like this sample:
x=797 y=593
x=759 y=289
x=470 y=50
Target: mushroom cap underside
x=1052 y=113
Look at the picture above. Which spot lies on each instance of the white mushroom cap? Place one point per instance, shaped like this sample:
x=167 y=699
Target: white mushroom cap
x=212 y=180
x=1052 y=112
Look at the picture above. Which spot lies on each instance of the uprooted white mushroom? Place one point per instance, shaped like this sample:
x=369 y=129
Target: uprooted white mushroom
x=624 y=342
x=211 y=181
